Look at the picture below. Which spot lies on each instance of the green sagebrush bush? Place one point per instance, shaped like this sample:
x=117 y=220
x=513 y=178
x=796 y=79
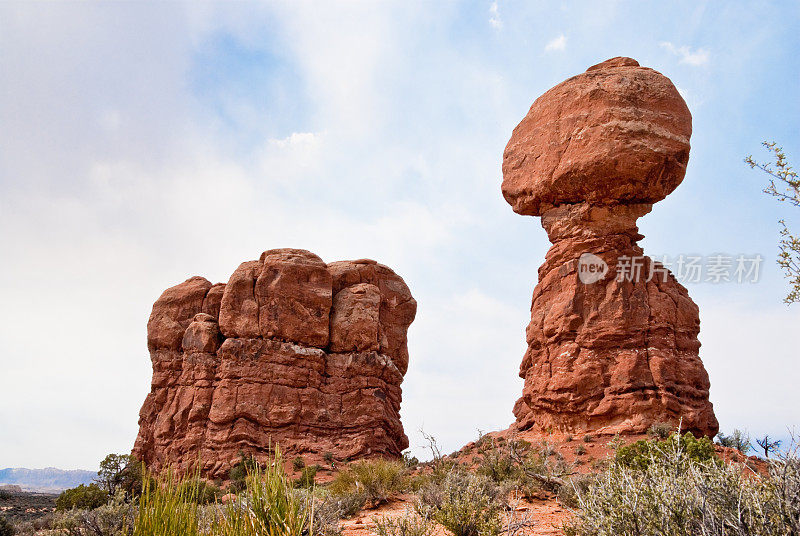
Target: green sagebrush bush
x=464 y=503
x=640 y=454
x=684 y=492
x=83 y=498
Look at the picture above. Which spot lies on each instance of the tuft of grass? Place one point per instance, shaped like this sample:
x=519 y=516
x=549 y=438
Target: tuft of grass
x=588 y=438
x=269 y=506
x=168 y=506
x=375 y=480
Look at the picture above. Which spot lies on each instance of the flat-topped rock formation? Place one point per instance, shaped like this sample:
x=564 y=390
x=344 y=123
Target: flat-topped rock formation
x=291 y=352
x=609 y=349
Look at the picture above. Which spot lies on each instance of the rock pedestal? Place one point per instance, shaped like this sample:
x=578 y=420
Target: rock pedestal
x=291 y=352
x=612 y=342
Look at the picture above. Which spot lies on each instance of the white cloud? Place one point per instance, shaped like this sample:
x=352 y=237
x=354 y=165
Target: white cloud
x=494 y=16
x=557 y=43
x=695 y=58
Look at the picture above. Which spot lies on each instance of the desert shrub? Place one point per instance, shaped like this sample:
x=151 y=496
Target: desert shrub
x=568 y=438
x=376 y=479
x=238 y=474
x=677 y=494
x=540 y=470
x=328 y=457
x=574 y=487
x=83 y=498
x=6 y=528
x=660 y=430
x=325 y=513
x=307 y=477
x=640 y=454
x=114 y=518
x=298 y=463
x=350 y=503
x=737 y=440
x=503 y=461
x=588 y=438
x=497 y=463
x=464 y=503
x=580 y=450
x=411 y=524
x=409 y=460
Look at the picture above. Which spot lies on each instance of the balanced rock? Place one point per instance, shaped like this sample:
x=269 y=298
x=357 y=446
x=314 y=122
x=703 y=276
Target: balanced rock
x=290 y=352
x=612 y=342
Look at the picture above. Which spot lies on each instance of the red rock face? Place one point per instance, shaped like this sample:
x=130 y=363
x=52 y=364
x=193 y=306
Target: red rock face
x=290 y=351
x=607 y=352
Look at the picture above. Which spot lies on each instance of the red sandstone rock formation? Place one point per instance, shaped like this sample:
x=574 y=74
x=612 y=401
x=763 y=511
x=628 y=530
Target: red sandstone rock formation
x=290 y=351
x=593 y=155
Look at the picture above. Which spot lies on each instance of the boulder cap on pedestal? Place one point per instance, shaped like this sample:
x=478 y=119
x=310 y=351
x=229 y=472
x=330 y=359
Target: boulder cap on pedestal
x=615 y=134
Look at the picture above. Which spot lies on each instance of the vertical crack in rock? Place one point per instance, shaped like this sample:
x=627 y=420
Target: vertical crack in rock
x=291 y=351
x=605 y=354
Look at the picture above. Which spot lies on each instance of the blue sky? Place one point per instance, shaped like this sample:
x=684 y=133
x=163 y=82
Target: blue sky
x=144 y=143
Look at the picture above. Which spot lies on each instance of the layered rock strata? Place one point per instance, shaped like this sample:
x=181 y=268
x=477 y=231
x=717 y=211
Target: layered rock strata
x=291 y=352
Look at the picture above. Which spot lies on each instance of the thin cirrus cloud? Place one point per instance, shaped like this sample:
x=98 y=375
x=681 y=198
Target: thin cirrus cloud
x=695 y=57
x=556 y=44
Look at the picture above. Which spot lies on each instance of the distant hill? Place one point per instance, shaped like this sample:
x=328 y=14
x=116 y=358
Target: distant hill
x=47 y=479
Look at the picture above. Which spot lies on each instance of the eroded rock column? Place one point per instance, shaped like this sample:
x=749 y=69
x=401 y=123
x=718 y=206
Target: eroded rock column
x=613 y=350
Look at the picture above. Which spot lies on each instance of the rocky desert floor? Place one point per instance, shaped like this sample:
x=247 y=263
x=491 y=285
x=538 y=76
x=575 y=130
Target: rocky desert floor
x=21 y=506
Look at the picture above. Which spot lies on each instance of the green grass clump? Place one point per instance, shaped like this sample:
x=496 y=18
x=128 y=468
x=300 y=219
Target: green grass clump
x=269 y=506
x=375 y=480
x=168 y=506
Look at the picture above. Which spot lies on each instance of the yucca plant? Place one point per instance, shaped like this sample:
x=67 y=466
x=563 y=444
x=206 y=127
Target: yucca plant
x=269 y=506
x=168 y=506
